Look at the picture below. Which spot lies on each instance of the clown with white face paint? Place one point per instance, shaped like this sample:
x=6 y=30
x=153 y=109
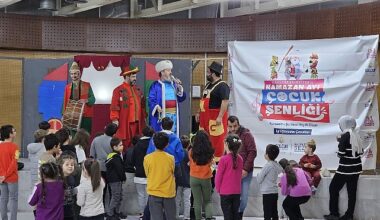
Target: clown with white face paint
x=164 y=97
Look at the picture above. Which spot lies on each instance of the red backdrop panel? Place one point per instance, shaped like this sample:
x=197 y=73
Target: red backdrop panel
x=100 y=119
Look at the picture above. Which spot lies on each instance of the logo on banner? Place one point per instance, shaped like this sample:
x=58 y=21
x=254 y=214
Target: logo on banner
x=283 y=147
x=299 y=147
x=371 y=86
x=368 y=104
x=294 y=99
x=368 y=122
x=368 y=154
x=372 y=53
x=368 y=138
x=371 y=67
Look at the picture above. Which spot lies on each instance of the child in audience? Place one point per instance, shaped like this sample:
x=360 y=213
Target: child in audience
x=52 y=148
x=35 y=150
x=128 y=155
x=115 y=177
x=137 y=161
x=81 y=141
x=183 y=182
x=9 y=154
x=295 y=186
x=311 y=163
x=228 y=178
x=267 y=178
x=159 y=169
x=64 y=138
x=90 y=191
x=174 y=148
x=48 y=195
x=44 y=125
x=67 y=163
x=201 y=158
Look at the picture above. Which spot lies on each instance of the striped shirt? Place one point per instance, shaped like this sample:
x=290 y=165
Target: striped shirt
x=349 y=163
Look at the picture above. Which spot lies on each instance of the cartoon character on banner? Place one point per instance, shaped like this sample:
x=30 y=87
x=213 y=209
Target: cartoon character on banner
x=313 y=65
x=273 y=65
x=293 y=67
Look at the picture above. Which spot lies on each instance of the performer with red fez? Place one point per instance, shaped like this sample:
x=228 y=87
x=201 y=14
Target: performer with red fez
x=213 y=108
x=164 y=96
x=127 y=107
x=80 y=91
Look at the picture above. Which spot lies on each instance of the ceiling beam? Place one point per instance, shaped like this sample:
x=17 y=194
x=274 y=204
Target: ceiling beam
x=174 y=7
x=78 y=7
x=5 y=3
x=266 y=6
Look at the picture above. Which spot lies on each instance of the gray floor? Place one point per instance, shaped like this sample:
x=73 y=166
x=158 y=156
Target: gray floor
x=29 y=216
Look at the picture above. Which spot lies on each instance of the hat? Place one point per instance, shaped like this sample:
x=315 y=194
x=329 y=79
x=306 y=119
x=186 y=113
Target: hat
x=40 y=133
x=128 y=70
x=216 y=67
x=163 y=65
x=74 y=67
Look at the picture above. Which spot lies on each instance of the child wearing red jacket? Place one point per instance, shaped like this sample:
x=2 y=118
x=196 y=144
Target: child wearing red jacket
x=311 y=163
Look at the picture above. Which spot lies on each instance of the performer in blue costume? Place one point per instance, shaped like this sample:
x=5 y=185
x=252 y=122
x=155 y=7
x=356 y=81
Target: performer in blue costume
x=164 y=96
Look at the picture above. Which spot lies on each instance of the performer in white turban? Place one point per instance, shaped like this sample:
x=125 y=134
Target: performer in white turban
x=164 y=96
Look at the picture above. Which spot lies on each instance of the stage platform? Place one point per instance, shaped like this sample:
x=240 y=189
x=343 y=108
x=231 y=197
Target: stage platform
x=367 y=204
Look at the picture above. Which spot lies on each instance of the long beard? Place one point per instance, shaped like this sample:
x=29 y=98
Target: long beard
x=209 y=78
x=132 y=83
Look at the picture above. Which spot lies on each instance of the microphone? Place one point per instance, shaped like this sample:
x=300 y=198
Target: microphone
x=175 y=79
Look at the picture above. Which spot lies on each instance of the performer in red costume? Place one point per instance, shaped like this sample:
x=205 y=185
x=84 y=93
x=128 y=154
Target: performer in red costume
x=80 y=91
x=127 y=107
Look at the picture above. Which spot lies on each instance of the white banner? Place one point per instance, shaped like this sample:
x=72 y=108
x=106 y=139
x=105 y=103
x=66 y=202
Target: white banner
x=289 y=92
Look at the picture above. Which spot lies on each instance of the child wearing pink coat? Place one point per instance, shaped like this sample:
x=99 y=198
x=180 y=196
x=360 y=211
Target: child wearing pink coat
x=295 y=185
x=228 y=178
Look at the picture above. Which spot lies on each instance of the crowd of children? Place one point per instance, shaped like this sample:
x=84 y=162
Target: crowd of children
x=70 y=177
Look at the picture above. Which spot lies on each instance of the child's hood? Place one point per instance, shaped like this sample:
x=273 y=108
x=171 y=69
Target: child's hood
x=34 y=148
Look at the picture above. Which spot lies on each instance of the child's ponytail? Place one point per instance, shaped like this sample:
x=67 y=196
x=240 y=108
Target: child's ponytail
x=290 y=175
x=49 y=171
x=233 y=142
x=43 y=189
x=93 y=170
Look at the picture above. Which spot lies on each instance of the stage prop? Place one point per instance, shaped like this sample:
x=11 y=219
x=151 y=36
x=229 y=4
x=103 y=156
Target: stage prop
x=288 y=92
x=182 y=69
x=44 y=81
x=72 y=116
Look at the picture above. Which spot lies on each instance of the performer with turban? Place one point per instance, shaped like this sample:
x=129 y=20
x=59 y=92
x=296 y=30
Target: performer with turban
x=127 y=107
x=213 y=108
x=164 y=96
x=80 y=91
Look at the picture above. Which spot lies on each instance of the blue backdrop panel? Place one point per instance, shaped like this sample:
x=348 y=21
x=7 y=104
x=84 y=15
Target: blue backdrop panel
x=34 y=71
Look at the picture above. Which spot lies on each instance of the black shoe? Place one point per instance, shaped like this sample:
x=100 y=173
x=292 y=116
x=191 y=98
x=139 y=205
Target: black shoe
x=331 y=217
x=241 y=215
x=121 y=215
x=346 y=217
x=113 y=218
x=212 y=218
